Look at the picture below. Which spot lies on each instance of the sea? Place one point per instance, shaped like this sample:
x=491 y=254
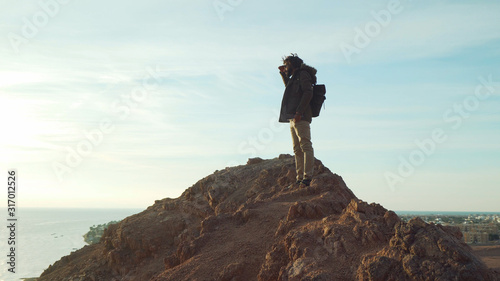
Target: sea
x=43 y=236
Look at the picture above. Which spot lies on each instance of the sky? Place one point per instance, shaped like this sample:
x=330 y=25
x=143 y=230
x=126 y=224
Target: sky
x=116 y=104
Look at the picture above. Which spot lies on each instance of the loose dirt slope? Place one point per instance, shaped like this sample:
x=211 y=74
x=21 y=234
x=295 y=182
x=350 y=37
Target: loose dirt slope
x=489 y=254
x=242 y=223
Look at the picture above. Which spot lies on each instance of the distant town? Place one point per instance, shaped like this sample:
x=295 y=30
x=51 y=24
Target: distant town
x=480 y=229
x=476 y=228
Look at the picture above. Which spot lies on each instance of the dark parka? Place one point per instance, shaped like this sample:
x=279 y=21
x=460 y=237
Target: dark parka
x=298 y=94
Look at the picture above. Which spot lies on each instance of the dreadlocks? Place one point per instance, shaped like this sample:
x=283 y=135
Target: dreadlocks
x=294 y=60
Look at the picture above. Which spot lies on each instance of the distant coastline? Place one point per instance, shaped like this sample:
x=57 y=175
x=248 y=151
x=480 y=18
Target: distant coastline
x=445 y=213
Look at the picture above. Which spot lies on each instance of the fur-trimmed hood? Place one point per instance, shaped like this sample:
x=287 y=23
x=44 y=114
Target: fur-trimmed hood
x=311 y=70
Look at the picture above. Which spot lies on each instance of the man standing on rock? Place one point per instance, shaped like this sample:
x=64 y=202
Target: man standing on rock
x=296 y=109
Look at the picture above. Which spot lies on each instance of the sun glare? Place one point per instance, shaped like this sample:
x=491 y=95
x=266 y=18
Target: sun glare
x=10 y=78
x=22 y=127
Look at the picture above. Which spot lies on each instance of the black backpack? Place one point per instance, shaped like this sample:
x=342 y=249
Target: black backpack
x=319 y=92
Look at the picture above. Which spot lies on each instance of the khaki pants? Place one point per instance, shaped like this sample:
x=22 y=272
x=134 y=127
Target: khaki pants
x=302 y=147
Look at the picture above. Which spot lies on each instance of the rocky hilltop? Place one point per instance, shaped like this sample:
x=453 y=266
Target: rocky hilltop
x=243 y=223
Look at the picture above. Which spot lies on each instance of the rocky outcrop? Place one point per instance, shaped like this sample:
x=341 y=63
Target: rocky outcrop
x=244 y=223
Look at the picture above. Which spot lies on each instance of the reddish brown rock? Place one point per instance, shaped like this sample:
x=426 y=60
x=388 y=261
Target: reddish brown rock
x=243 y=223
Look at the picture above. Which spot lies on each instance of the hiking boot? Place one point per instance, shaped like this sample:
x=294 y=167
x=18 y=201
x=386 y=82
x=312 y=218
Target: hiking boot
x=304 y=183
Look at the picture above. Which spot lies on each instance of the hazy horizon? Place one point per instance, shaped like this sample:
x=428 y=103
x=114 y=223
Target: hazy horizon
x=140 y=210
x=113 y=104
